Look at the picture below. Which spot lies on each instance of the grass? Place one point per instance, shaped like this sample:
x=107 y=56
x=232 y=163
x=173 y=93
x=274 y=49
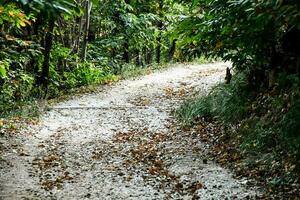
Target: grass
x=131 y=71
x=205 y=60
x=29 y=109
x=263 y=125
x=222 y=103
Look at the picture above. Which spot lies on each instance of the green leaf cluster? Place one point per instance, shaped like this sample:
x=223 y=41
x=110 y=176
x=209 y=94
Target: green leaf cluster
x=245 y=32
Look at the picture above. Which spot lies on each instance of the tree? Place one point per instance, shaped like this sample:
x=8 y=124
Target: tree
x=88 y=8
x=256 y=36
x=50 y=11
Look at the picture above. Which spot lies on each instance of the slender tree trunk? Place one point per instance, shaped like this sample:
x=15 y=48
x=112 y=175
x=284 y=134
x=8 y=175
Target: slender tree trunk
x=36 y=25
x=149 y=56
x=77 y=30
x=145 y=55
x=138 y=59
x=158 y=49
x=172 y=50
x=88 y=8
x=126 y=56
x=160 y=27
x=60 y=29
x=33 y=59
x=44 y=79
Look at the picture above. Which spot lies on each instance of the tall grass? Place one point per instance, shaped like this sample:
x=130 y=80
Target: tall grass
x=226 y=102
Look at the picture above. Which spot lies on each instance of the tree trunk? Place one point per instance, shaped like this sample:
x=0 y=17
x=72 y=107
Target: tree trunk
x=88 y=8
x=158 y=48
x=172 y=50
x=77 y=34
x=271 y=78
x=44 y=79
x=160 y=27
x=126 y=51
x=138 y=59
x=60 y=30
x=150 y=55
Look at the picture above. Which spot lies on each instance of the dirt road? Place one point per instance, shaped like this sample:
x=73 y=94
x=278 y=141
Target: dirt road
x=120 y=143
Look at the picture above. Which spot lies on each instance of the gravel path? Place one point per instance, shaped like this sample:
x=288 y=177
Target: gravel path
x=120 y=143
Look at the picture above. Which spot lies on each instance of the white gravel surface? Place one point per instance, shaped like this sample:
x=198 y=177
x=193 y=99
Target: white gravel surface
x=120 y=143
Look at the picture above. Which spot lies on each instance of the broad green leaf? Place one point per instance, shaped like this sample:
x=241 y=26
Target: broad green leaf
x=3 y=72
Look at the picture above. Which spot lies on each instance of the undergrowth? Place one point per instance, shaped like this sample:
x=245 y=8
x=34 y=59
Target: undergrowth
x=131 y=71
x=262 y=124
x=20 y=97
x=21 y=92
x=225 y=102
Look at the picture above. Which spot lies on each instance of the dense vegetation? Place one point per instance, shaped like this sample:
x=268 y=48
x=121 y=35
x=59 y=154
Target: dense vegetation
x=51 y=46
x=48 y=47
x=259 y=107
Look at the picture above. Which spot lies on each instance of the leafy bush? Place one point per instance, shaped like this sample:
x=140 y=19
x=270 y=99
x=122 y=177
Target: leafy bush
x=15 y=89
x=84 y=74
x=81 y=75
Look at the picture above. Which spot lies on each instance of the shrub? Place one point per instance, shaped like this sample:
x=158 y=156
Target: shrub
x=15 y=89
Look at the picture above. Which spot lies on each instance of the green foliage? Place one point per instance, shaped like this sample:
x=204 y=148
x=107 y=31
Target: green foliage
x=14 y=17
x=84 y=74
x=262 y=134
x=3 y=69
x=75 y=73
x=192 y=109
x=51 y=8
x=289 y=128
x=32 y=29
x=221 y=103
x=132 y=28
x=244 y=32
x=15 y=90
x=262 y=125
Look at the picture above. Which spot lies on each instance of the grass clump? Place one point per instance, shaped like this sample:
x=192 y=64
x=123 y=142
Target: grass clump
x=222 y=103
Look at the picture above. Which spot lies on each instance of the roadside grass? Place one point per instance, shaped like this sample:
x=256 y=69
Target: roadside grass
x=263 y=128
x=206 y=60
x=129 y=71
x=222 y=103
